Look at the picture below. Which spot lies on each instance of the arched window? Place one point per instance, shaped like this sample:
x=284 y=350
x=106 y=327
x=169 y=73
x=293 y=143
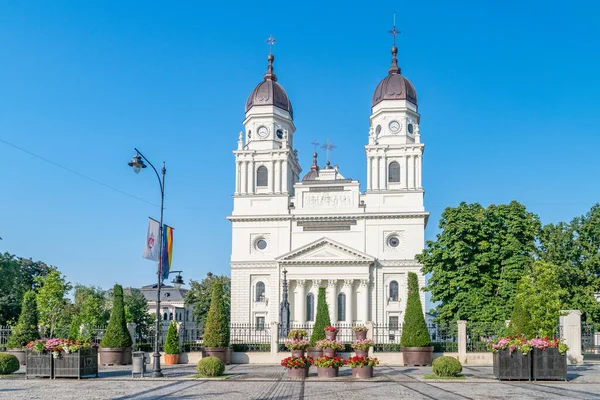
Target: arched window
x=310 y=307
x=394 y=172
x=341 y=307
x=260 y=291
x=170 y=316
x=165 y=317
x=393 y=291
x=262 y=176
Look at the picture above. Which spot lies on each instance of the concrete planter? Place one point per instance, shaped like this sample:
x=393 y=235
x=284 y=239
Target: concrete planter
x=360 y=335
x=222 y=353
x=82 y=363
x=331 y=335
x=329 y=352
x=326 y=372
x=19 y=353
x=365 y=372
x=361 y=353
x=298 y=353
x=39 y=365
x=417 y=356
x=512 y=366
x=171 y=359
x=297 y=373
x=549 y=364
x=115 y=355
x=314 y=352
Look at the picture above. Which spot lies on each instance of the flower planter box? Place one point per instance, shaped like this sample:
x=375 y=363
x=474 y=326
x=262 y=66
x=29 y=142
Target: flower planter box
x=327 y=372
x=297 y=373
x=549 y=364
x=39 y=365
x=82 y=363
x=515 y=366
x=362 y=372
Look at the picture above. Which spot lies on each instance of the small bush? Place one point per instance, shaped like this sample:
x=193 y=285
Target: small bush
x=8 y=364
x=446 y=366
x=172 y=343
x=210 y=366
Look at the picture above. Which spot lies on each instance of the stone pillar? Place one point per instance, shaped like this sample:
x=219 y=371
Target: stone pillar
x=411 y=172
x=284 y=177
x=419 y=184
x=252 y=176
x=277 y=185
x=274 y=337
x=244 y=189
x=405 y=180
x=363 y=310
x=272 y=177
x=370 y=335
x=238 y=171
x=376 y=174
x=300 y=301
x=332 y=299
x=382 y=170
x=570 y=323
x=349 y=300
x=462 y=341
x=369 y=172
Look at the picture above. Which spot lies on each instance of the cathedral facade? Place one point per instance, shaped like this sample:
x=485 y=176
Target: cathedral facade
x=318 y=226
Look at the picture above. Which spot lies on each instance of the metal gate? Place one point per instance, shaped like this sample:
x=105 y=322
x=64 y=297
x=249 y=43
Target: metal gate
x=590 y=340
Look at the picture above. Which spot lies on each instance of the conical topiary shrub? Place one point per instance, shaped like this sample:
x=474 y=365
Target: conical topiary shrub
x=520 y=321
x=415 y=340
x=172 y=343
x=116 y=343
x=216 y=332
x=322 y=320
x=26 y=329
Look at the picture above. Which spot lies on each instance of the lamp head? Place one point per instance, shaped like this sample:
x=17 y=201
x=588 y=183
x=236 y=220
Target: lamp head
x=178 y=281
x=137 y=163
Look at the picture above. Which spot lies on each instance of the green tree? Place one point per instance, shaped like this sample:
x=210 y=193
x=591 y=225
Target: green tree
x=172 y=342
x=117 y=334
x=51 y=301
x=89 y=311
x=26 y=329
x=540 y=292
x=414 y=328
x=575 y=248
x=322 y=319
x=200 y=293
x=136 y=311
x=216 y=333
x=477 y=259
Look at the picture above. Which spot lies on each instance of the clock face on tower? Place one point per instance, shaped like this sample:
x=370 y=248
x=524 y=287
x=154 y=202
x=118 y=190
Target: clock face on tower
x=263 y=132
x=395 y=126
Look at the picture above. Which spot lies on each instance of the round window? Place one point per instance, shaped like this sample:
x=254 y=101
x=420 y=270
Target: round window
x=393 y=241
x=261 y=244
x=279 y=134
x=410 y=128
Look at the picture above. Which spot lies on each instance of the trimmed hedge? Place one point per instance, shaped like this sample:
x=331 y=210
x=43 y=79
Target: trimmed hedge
x=26 y=329
x=414 y=329
x=322 y=320
x=8 y=364
x=216 y=332
x=210 y=366
x=117 y=334
x=446 y=366
x=172 y=342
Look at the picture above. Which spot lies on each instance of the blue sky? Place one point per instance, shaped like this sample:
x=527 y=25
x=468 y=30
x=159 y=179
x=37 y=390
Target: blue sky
x=508 y=95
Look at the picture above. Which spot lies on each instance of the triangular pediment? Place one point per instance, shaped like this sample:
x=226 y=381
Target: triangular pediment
x=325 y=250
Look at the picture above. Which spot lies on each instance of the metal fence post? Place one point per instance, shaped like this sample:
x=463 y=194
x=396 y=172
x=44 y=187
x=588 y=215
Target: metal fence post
x=462 y=341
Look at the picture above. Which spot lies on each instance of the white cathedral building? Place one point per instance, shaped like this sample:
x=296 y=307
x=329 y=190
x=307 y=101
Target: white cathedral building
x=319 y=226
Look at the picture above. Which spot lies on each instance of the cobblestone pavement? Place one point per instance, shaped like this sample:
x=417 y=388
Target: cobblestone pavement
x=270 y=382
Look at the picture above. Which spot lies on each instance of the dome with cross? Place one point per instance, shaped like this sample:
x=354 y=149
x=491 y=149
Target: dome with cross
x=269 y=92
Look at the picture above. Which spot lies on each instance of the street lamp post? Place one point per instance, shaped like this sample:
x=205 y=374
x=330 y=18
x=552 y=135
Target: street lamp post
x=137 y=163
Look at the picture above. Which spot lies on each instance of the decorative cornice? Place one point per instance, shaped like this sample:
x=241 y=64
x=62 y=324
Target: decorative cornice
x=263 y=264
x=399 y=263
x=328 y=217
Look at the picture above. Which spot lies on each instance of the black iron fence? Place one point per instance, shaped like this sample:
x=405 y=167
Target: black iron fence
x=247 y=337
x=387 y=337
x=4 y=334
x=590 y=340
x=444 y=337
x=479 y=336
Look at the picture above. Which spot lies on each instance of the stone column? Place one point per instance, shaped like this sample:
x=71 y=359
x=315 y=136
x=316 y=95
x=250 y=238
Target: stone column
x=382 y=169
x=252 y=176
x=272 y=177
x=405 y=180
x=284 y=176
x=364 y=299
x=419 y=172
x=274 y=337
x=277 y=183
x=376 y=174
x=349 y=300
x=462 y=341
x=369 y=172
x=570 y=323
x=237 y=177
x=300 y=302
x=411 y=171
x=332 y=299
x=244 y=177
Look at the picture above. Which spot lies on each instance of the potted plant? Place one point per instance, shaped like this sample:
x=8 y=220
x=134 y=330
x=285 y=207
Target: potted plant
x=172 y=345
x=330 y=347
x=361 y=347
x=512 y=358
x=216 y=332
x=297 y=346
x=322 y=320
x=297 y=334
x=297 y=367
x=331 y=332
x=328 y=367
x=115 y=347
x=415 y=341
x=360 y=332
x=362 y=367
x=26 y=329
x=549 y=359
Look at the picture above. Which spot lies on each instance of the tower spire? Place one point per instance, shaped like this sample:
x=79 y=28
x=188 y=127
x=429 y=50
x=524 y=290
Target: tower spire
x=270 y=74
x=394 y=69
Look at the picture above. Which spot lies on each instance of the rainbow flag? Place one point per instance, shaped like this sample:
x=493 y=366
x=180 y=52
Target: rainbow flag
x=167 y=251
